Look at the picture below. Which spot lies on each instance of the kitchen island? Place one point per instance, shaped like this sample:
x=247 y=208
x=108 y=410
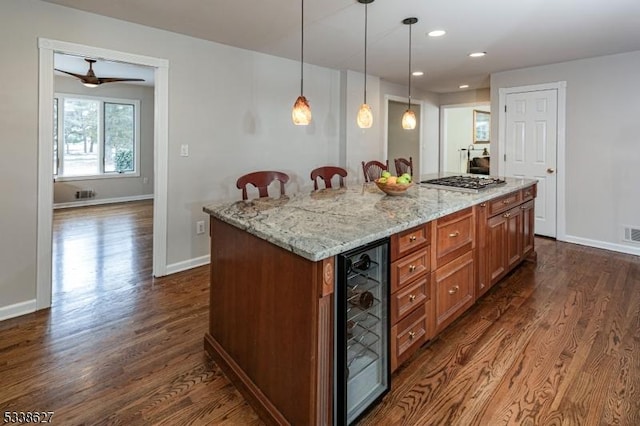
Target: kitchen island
x=271 y=325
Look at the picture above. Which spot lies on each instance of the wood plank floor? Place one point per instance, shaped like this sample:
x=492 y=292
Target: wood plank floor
x=555 y=343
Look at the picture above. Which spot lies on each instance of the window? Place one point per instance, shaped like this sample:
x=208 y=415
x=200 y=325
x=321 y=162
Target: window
x=95 y=137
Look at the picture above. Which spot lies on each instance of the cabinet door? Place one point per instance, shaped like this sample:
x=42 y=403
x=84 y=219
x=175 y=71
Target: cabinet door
x=455 y=290
x=496 y=248
x=528 y=223
x=514 y=236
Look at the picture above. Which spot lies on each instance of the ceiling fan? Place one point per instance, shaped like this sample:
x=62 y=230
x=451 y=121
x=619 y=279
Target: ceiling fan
x=90 y=79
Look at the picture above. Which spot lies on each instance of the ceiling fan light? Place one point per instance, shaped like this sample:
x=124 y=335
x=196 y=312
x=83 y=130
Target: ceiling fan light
x=409 y=120
x=90 y=84
x=365 y=117
x=301 y=113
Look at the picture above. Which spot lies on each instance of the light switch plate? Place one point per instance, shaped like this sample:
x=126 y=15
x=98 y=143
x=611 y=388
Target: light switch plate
x=184 y=150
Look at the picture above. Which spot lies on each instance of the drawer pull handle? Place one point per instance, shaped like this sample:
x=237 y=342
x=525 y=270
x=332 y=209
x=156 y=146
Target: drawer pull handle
x=454 y=234
x=526 y=194
x=483 y=204
x=412 y=268
x=412 y=238
x=454 y=289
x=506 y=215
x=412 y=297
x=412 y=334
x=505 y=201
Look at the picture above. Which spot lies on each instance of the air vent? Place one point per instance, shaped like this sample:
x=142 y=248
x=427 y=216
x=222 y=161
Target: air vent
x=85 y=193
x=632 y=235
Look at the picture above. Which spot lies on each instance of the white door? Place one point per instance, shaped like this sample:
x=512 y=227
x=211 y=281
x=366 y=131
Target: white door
x=530 y=150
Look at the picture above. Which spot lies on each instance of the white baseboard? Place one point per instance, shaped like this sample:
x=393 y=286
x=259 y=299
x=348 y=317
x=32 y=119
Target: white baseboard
x=188 y=264
x=621 y=248
x=17 y=309
x=82 y=203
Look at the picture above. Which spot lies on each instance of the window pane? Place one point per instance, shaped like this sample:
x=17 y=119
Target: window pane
x=119 y=132
x=80 y=137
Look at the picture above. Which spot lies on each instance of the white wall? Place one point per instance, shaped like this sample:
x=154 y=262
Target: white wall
x=602 y=143
x=116 y=187
x=232 y=106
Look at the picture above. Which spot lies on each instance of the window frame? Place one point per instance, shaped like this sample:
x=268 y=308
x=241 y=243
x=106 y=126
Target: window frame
x=59 y=98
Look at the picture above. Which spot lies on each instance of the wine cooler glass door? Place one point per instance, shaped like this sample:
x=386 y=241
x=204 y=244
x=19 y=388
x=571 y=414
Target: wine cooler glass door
x=362 y=344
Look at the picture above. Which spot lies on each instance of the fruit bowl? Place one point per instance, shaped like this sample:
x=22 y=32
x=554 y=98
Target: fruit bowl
x=393 y=188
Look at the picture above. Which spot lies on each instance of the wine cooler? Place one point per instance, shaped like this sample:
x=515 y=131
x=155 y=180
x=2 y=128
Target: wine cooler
x=362 y=330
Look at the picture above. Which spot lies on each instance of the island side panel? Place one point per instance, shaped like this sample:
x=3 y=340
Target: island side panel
x=270 y=326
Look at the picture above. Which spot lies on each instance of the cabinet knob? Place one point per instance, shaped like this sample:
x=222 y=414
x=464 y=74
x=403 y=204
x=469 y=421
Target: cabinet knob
x=454 y=289
x=412 y=268
x=505 y=201
x=506 y=215
x=412 y=238
x=412 y=297
x=454 y=234
x=412 y=334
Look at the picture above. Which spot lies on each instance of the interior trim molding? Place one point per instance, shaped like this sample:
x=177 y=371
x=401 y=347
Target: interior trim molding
x=188 y=264
x=17 y=309
x=47 y=48
x=100 y=201
x=620 y=248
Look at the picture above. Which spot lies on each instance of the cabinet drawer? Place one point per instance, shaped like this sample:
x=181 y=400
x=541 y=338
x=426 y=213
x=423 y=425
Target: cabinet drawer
x=455 y=290
x=455 y=235
x=409 y=268
x=529 y=193
x=410 y=240
x=407 y=336
x=407 y=299
x=503 y=203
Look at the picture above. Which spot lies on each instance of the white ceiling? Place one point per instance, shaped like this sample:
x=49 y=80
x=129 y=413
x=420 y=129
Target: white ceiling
x=514 y=33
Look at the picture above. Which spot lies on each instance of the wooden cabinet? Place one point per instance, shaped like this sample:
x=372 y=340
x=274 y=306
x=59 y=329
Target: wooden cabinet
x=505 y=236
x=454 y=276
x=411 y=292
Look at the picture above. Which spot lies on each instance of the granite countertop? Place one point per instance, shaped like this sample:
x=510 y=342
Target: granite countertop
x=324 y=223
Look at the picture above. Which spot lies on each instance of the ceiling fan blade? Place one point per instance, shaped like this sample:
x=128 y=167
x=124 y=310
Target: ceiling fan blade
x=80 y=76
x=116 y=79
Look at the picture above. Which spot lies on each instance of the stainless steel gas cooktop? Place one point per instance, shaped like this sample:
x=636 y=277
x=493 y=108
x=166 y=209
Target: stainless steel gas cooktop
x=463 y=183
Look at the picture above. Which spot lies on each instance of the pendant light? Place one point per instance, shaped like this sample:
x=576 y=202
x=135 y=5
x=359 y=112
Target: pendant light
x=365 y=118
x=301 y=113
x=409 y=117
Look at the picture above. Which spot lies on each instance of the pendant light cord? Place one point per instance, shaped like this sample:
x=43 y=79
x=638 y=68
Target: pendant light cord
x=409 y=104
x=302 y=48
x=365 y=52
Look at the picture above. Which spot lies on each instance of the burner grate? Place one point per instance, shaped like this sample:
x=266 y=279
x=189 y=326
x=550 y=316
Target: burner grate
x=473 y=183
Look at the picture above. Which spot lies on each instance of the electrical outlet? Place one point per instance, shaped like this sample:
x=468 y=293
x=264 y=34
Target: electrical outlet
x=200 y=227
x=184 y=150
x=145 y=180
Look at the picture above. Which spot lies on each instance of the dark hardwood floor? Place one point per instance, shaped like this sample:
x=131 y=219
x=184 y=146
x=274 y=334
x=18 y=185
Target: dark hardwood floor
x=555 y=343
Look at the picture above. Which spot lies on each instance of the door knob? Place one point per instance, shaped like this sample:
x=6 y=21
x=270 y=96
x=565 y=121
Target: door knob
x=550 y=170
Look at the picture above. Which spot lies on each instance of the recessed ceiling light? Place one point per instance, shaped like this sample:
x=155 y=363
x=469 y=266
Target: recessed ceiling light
x=436 y=33
x=477 y=54
x=464 y=86
x=417 y=73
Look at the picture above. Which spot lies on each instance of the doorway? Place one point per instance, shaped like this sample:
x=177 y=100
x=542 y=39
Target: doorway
x=531 y=140
x=457 y=145
x=402 y=143
x=47 y=48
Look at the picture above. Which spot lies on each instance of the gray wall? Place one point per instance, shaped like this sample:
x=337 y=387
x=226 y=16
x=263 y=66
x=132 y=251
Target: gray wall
x=602 y=143
x=114 y=188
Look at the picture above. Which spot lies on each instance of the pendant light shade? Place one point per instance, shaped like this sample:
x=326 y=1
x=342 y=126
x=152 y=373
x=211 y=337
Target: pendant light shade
x=365 y=117
x=409 y=117
x=301 y=113
x=409 y=120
